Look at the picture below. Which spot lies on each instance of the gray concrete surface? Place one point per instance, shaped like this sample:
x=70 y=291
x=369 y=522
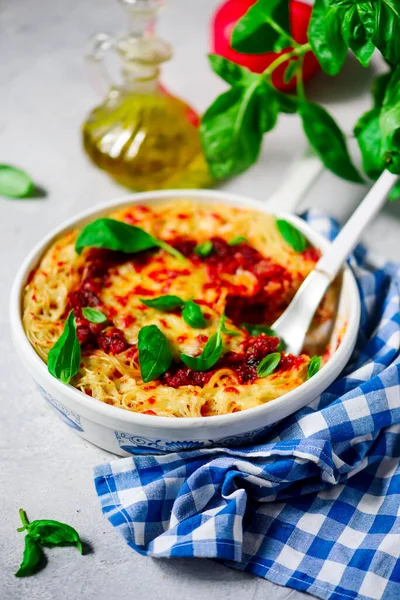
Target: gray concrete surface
x=44 y=467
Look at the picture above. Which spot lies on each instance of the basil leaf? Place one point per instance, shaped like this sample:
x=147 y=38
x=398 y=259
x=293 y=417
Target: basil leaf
x=223 y=328
x=290 y=71
x=291 y=235
x=65 y=356
x=54 y=533
x=387 y=29
x=269 y=106
x=93 y=315
x=394 y=193
x=155 y=353
x=328 y=141
x=283 y=42
x=31 y=558
x=379 y=87
x=164 y=302
x=203 y=249
x=253 y=33
x=231 y=133
x=237 y=240
x=268 y=364
x=231 y=72
x=368 y=133
x=210 y=355
x=287 y=103
x=390 y=124
x=325 y=36
x=358 y=25
x=314 y=366
x=193 y=316
x=15 y=183
x=119 y=236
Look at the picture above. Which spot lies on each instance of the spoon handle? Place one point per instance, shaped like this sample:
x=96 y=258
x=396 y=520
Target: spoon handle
x=347 y=239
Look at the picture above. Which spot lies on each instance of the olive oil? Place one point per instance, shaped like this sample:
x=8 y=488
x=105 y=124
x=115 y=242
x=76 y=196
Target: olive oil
x=140 y=135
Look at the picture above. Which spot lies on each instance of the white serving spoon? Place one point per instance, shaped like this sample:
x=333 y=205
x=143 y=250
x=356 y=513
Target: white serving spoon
x=293 y=324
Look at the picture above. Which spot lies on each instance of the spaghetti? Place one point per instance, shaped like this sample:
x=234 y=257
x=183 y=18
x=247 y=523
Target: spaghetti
x=251 y=274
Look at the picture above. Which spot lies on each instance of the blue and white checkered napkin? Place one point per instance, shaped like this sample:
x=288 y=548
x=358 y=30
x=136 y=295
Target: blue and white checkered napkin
x=315 y=505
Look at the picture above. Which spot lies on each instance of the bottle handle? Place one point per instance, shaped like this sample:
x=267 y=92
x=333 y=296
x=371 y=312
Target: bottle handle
x=97 y=48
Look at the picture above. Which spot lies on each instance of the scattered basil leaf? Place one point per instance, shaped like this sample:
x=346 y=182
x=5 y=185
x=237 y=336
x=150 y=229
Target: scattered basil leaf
x=313 y=366
x=121 y=237
x=167 y=302
x=54 y=533
x=237 y=240
x=390 y=123
x=230 y=131
x=290 y=71
x=368 y=133
x=231 y=72
x=387 y=29
x=325 y=36
x=193 y=316
x=15 y=183
x=93 y=315
x=203 y=249
x=211 y=353
x=31 y=557
x=328 y=141
x=43 y=532
x=291 y=235
x=268 y=364
x=253 y=33
x=224 y=329
x=65 y=356
x=155 y=353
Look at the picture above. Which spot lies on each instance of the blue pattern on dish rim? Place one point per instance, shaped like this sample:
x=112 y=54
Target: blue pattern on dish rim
x=68 y=416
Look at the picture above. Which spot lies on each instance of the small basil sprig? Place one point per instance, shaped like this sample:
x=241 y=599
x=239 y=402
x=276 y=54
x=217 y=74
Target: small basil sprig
x=155 y=353
x=268 y=364
x=167 y=302
x=237 y=240
x=203 y=249
x=15 y=183
x=46 y=533
x=193 y=316
x=210 y=355
x=224 y=329
x=93 y=316
x=291 y=235
x=314 y=366
x=212 y=350
x=65 y=356
x=121 y=237
x=191 y=312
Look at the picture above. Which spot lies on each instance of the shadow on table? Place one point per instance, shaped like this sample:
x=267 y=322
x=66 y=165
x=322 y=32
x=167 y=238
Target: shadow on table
x=200 y=569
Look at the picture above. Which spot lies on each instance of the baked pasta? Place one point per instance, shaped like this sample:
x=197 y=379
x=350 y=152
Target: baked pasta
x=231 y=271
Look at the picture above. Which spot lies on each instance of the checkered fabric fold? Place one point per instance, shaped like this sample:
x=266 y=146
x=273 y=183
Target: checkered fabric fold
x=315 y=505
